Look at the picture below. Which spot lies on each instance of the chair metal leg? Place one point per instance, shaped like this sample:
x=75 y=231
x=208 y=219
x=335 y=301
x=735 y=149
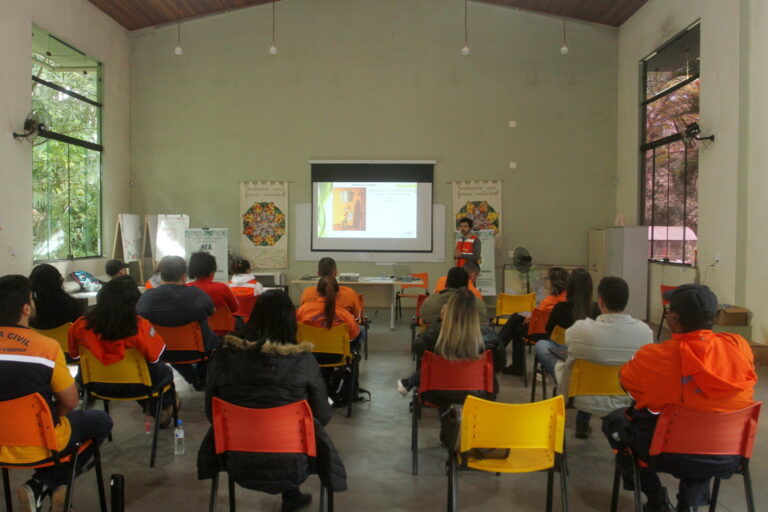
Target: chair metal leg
x=525 y=368
x=232 y=500
x=543 y=381
x=564 y=482
x=748 y=488
x=71 y=476
x=155 y=432
x=615 y=492
x=322 y=498
x=214 y=492
x=351 y=396
x=106 y=410
x=713 y=496
x=415 y=433
x=453 y=486
x=550 y=482
x=99 y=477
x=366 y=342
x=7 y=489
x=330 y=500
x=175 y=408
x=661 y=323
x=638 y=494
x=533 y=379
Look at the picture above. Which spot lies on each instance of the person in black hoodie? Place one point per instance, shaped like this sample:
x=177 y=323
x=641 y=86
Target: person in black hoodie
x=263 y=366
x=53 y=306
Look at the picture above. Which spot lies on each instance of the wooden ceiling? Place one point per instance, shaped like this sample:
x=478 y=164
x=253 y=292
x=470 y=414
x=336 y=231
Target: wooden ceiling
x=136 y=14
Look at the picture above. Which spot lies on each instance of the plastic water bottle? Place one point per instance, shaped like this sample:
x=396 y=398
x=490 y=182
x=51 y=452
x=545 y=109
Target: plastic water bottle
x=178 y=436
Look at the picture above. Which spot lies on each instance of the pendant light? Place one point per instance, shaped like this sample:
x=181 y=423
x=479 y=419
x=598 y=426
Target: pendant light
x=465 y=51
x=273 y=48
x=178 y=50
x=564 y=49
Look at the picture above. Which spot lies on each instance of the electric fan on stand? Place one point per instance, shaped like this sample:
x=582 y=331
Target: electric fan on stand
x=522 y=261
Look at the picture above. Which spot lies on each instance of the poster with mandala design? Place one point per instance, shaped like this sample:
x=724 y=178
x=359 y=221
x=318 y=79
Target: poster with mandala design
x=264 y=223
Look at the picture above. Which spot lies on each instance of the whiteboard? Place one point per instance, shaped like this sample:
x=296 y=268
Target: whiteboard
x=303 y=252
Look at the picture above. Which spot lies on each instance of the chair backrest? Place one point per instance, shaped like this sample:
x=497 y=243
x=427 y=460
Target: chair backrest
x=438 y=373
x=682 y=430
x=131 y=369
x=664 y=289
x=27 y=421
x=588 y=378
x=184 y=338
x=537 y=425
x=558 y=335
x=286 y=429
x=245 y=304
x=222 y=321
x=423 y=277
x=510 y=304
x=327 y=341
x=59 y=334
x=538 y=322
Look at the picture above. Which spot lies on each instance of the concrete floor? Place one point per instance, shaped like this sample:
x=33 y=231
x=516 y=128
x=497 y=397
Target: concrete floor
x=375 y=446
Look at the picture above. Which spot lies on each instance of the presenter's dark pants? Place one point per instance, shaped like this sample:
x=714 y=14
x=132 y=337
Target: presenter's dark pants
x=634 y=430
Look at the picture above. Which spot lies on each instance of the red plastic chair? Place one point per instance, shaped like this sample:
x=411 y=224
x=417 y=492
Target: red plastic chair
x=440 y=374
x=416 y=323
x=286 y=429
x=664 y=303
x=424 y=278
x=222 y=321
x=27 y=422
x=537 y=325
x=681 y=430
x=245 y=304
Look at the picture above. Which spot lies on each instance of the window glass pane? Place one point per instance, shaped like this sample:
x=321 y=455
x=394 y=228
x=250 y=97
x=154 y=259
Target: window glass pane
x=67 y=115
x=55 y=61
x=671 y=113
x=673 y=63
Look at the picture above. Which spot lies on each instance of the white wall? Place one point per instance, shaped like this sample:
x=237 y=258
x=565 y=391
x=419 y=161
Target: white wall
x=732 y=181
x=372 y=79
x=88 y=29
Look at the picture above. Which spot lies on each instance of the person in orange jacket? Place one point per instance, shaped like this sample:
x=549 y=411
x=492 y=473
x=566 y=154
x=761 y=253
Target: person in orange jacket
x=473 y=270
x=697 y=368
x=346 y=297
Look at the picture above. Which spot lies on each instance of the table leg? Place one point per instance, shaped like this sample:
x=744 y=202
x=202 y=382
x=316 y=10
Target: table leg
x=392 y=308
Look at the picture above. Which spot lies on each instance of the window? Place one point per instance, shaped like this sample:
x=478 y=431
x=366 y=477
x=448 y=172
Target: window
x=66 y=157
x=670 y=160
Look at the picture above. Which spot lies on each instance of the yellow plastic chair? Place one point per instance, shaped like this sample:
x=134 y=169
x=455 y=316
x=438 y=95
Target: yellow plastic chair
x=60 y=334
x=529 y=437
x=589 y=378
x=133 y=373
x=333 y=341
x=507 y=305
x=558 y=336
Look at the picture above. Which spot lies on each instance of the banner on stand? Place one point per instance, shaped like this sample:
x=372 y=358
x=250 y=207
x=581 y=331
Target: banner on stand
x=213 y=241
x=264 y=223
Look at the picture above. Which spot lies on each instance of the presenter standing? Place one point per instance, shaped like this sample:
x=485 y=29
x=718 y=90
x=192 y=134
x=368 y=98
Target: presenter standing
x=468 y=246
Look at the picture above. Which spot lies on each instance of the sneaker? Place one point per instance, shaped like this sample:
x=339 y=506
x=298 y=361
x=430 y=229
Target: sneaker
x=31 y=495
x=401 y=388
x=57 y=498
x=296 y=502
x=659 y=502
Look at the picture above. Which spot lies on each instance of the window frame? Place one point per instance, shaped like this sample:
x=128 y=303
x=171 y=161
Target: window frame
x=74 y=141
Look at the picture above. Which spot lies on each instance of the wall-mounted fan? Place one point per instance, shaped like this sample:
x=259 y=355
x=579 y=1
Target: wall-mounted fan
x=522 y=261
x=37 y=122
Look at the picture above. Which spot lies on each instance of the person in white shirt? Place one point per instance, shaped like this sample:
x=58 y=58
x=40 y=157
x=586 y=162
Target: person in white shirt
x=611 y=339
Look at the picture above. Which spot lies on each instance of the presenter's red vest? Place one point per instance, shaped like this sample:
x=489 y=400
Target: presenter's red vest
x=465 y=246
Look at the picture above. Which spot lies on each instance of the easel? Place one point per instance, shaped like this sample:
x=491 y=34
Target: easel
x=126 y=241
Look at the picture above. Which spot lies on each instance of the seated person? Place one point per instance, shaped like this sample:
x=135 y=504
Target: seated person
x=202 y=268
x=698 y=368
x=111 y=328
x=326 y=311
x=347 y=298
x=516 y=327
x=153 y=281
x=473 y=270
x=37 y=366
x=53 y=306
x=243 y=283
x=115 y=268
x=457 y=278
x=262 y=367
x=173 y=304
x=457 y=335
x=577 y=306
x=610 y=339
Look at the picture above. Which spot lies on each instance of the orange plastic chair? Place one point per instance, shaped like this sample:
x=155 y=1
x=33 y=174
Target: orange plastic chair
x=665 y=307
x=132 y=374
x=27 y=422
x=416 y=323
x=60 y=334
x=245 y=304
x=222 y=321
x=286 y=429
x=537 y=326
x=183 y=344
x=682 y=430
x=440 y=374
x=424 y=278
x=526 y=438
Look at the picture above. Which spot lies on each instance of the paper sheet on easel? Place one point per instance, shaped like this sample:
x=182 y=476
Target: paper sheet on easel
x=130 y=236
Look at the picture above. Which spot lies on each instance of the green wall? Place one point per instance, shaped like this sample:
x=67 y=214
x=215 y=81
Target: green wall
x=372 y=79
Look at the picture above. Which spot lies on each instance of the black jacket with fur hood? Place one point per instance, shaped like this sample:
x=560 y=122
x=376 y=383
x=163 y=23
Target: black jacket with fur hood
x=274 y=375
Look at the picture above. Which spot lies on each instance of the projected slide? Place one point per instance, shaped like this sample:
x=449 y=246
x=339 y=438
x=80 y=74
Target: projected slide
x=367 y=210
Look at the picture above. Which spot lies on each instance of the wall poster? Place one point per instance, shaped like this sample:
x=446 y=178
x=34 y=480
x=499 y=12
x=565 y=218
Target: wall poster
x=264 y=223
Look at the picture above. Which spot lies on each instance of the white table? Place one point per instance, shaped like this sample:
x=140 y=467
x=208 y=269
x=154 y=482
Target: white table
x=377 y=291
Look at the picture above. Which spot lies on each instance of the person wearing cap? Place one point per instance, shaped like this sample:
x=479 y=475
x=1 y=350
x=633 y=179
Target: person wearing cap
x=116 y=268
x=698 y=368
